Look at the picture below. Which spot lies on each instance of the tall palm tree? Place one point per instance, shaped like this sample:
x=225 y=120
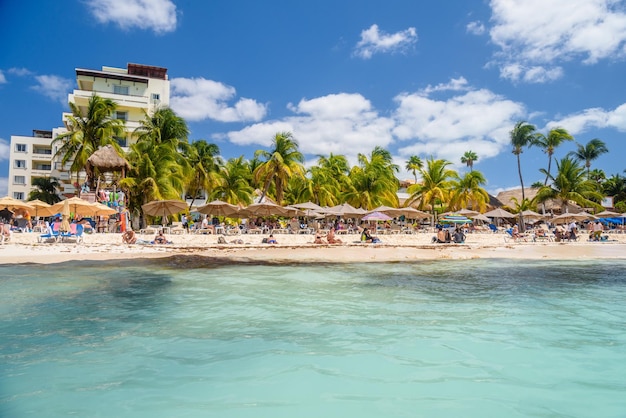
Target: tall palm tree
x=88 y=131
x=414 y=164
x=283 y=161
x=589 y=152
x=467 y=191
x=522 y=135
x=205 y=162
x=232 y=183
x=437 y=181
x=373 y=181
x=469 y=158
x=548 y=143
x=570 y=183
x=46 y=190
x=615 y=186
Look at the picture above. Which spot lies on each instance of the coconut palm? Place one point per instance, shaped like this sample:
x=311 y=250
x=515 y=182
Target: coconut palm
x=232 y=183
x=570 y=183
x=548 y=143
x=467 y=192
x=319 y=186
x=615 y=186
x=469 y=158
x=46 y=190
x=87 y=132
x=283 y=161
x=522 y=135
x=589 y=152
x=373 y=182
x=437 y=181
x=414 y=164
x=205 y=162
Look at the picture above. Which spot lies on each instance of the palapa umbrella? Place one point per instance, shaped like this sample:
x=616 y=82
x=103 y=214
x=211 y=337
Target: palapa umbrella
x=480 y=217
x=164 y=208
x=307 y=206
x=608 y=214
x=569 y=217
x=499 y=213
x=65 y=217
x=218 y=208
x=99 y=209
x=468 y=212
x=264 y=209
x=345 y=209
x=11 y=204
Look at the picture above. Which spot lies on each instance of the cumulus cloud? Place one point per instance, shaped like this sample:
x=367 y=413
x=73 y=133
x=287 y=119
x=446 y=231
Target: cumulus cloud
x=340 y=123
x=590 y=31
x=455 y=84
x=21 y=72
x=475 y=28
x=2 y=78
x=198 y=99
x=156 y=15
x=593 y=118
x=374 y=41
x=478 y=119
x=53 y=87
x=4 y=149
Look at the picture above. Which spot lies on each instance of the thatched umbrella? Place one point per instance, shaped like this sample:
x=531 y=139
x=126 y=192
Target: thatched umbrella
x=106 y=159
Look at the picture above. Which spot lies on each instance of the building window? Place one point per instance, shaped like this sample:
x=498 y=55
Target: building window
x=121 y=141
x=18 y=195
x=19 y=180
x=120 y=90
x=121 y=116
x=20 y=163
x=20 y=147
x=156 y=96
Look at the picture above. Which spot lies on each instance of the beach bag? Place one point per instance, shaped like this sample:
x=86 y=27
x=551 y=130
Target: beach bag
x=221 y=240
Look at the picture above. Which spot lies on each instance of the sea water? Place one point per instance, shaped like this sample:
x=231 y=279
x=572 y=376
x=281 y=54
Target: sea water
x=183 y=338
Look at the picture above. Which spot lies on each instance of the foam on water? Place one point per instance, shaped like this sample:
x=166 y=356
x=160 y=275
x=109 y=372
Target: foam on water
x=446 y=338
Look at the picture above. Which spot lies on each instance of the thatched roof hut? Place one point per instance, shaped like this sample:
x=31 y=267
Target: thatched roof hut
x=106 y=159
x=530 y=193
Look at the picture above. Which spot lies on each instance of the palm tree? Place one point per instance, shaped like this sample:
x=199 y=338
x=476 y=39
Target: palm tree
x=46 y=190
x=373 y=181
x=522 y=135
x=435 y=186
x=232 y=183
x=570 y=183
x=548 y=143
x=414 y=164
x=467 y=191
x=205 y=162
x=281 y=163
x=86 y=132
x=615 y=186
x=469 y=158
x=589 y=152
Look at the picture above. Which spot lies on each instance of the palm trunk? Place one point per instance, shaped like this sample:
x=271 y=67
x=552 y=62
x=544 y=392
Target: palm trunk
x=521 y=180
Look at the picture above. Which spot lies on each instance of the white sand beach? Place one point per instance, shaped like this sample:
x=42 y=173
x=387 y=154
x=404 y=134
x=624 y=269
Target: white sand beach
x=25 y=248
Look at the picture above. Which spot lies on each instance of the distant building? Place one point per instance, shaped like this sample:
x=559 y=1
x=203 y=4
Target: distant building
x=138 y=90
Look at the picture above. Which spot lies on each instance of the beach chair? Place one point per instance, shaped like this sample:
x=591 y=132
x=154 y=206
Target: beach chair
x=493 y=228
x=49 y=236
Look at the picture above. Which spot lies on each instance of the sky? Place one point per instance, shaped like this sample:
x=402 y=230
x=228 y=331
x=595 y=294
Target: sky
x=426 y=78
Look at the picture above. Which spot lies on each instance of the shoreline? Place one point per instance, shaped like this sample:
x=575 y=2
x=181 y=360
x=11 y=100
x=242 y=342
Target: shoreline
x=24 y=248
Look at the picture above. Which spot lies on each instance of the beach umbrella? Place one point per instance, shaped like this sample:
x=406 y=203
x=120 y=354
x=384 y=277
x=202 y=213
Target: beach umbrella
x=307 y=206
x=11 y=204
x=530 y=215
x=40 y=205
x=218 y=208
x=455 y=219
x=345 y=209
x=376 y=216
x=65 y=217
x=164 y=208
x=101 y=210
x=468 y=212
x=607 y=214
x=569 y=217
x=499 y=213
x=480 y=217
x=76 y=205
x=264 y=209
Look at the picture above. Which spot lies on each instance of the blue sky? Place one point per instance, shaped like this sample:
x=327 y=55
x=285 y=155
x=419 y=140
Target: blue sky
x=427 y=78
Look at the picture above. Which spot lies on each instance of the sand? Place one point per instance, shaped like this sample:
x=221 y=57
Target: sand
x=24 y=248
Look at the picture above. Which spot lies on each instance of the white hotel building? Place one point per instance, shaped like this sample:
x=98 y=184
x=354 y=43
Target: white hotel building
x=137 y=90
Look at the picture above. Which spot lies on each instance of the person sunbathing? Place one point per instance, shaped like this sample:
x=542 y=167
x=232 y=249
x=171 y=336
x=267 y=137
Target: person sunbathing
x=319 y=239
x=160 y=239
x=330 y=237
x=366 y=237
x=129 y=237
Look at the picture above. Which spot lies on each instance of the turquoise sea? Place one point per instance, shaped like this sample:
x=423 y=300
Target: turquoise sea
x=188 y=337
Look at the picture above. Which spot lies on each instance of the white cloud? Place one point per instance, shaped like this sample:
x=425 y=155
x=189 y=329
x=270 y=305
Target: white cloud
x=339 y=123
x=21 y=72
x=4 y=149
x=478 y=120
x=455 y=84
x=53 y=87
x=475 y=28
x=156 y=15
x=541 y=35
x=2 y=78
x=374 y=41
x=593 y=118
x=198 y=98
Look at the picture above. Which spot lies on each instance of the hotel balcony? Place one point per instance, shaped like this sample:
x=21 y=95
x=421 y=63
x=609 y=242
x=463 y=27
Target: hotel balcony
x=81 y=98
